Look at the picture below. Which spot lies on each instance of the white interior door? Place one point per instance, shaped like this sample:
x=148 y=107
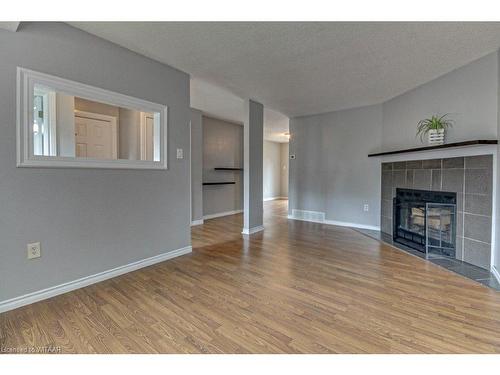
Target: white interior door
x=95 y=138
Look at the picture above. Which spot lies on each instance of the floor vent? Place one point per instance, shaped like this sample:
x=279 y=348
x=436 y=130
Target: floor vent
x=308 y=215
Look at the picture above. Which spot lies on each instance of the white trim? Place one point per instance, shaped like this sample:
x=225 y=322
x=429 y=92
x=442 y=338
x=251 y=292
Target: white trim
x=248 y=231
x=351 y=225
x=53 y=123
x=220 y=214
x=143 y=138
x=50 y=119
x=197 y=222
x=26 y=80
x=338 y=223
x=495 y=273
x=494 y=211
x=40 y=295
x=275 y=199
x=105 y=118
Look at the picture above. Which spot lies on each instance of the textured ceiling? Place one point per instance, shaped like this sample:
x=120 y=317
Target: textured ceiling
x=218 y=102
x=305 y=68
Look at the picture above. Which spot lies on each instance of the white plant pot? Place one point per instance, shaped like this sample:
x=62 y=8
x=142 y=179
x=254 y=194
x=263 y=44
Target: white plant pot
x=436 y=137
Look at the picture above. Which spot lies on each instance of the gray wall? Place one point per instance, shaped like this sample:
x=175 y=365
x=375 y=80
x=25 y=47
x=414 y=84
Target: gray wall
x=253 y=129
x=222 y=147
x=196 y=165
x=275 y=170
x=89 y=220
x=271 y=169
x=331 y=172
x=129 y=125
x=284 y=169
x=469 y=94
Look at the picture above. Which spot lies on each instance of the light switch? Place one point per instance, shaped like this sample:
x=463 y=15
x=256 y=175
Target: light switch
x=180 y=153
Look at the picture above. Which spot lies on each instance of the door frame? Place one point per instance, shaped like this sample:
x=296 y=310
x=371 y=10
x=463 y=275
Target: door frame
x=142 y=135
x=114 y=127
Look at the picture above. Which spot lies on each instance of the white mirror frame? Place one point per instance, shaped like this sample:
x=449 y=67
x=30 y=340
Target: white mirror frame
x=26 y=81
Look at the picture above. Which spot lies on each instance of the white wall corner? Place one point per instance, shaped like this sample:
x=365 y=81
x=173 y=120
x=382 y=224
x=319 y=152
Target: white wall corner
x=10 y=26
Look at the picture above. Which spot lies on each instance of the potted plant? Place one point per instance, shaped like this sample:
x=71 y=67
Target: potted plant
x=434 y=128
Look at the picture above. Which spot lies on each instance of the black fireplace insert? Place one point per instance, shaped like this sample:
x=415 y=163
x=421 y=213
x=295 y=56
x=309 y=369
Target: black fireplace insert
x=425 y=220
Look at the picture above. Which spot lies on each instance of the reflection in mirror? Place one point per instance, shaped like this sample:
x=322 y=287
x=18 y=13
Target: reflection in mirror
x=72 y=126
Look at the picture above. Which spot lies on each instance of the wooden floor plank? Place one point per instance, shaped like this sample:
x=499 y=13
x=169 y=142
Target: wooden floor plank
x=297 y=287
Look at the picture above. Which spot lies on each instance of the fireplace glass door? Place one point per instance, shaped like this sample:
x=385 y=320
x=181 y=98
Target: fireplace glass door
x=440 y=219
x=411 y=224
x=425 y=220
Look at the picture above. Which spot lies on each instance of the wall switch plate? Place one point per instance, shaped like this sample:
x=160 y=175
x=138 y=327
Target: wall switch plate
x=34 y=250
x=292 y=156
x=180 y=153
x=366 y=208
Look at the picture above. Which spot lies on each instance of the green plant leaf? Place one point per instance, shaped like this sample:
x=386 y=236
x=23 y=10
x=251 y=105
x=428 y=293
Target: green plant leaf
x=435 y=122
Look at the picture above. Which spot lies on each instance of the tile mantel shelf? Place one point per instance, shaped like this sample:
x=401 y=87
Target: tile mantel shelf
x=438 y=147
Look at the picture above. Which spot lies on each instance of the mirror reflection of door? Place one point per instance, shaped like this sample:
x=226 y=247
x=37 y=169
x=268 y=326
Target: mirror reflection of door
x=147 y=136
x=95 y=136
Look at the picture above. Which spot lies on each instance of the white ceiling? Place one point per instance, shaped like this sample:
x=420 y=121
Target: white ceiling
x=305 y=68
x=300 y=68
x=218 y=102
x=210 y=98
x=10 y=26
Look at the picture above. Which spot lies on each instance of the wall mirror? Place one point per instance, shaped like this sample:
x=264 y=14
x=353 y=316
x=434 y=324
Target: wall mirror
x=62 y=123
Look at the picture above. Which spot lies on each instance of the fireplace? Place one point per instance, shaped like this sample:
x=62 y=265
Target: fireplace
x=425 y=220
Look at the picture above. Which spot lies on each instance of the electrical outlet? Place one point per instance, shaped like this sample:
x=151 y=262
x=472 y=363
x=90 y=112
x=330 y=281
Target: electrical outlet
x=34 y=250
x=366 y=208
x=180 y=153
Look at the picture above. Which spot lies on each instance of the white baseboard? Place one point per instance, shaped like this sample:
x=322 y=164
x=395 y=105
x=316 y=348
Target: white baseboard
x=40 y=295
x=495 y=273
x=253 y=230
x=352 y=225
x=274 y=198
x=338 y=223
x=220 y=214
x=197 y=222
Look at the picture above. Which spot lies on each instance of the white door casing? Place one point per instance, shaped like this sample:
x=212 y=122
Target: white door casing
x=147 y=136
x=96 y=136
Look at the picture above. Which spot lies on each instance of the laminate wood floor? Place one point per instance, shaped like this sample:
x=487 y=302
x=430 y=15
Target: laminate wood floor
x=297 y=287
